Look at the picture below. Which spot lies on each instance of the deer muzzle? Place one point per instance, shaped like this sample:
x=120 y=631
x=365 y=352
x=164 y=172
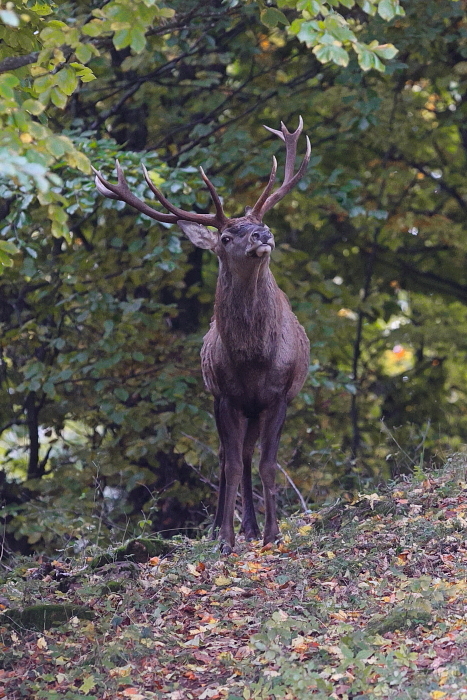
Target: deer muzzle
x=261 y=243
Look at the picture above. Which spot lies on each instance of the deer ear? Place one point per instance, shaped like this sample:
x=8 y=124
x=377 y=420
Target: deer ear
x=199 y=235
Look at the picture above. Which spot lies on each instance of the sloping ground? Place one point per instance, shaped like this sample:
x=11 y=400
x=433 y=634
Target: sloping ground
x=364 y=600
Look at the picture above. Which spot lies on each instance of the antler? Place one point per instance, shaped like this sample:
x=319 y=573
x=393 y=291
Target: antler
x=268 y=200
x=122 y=192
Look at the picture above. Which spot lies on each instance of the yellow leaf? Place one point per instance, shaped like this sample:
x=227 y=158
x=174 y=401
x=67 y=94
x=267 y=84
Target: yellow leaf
x=304 y=530
x=437 y=694
x=79 y=160
x=42 y=643
x=222 y=581
x=38 y=70
x=192 y=569
x=372 y=498
x=120 y=672
x=156 y=178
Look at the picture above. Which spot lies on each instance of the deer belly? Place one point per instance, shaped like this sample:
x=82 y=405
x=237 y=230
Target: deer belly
x=251 y=390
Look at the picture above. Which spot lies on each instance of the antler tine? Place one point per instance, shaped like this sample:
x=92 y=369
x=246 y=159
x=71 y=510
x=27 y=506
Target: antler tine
x=218 y=220
x=264 y=204
x=288 y=185
x=267 y=190
x=291 y=140
x=214 y=196
x=276 y=132
x=101 y=188
x=122 y=192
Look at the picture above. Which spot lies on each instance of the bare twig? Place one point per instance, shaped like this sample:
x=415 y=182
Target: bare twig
x=295 y=488
x=214 y=487
x=201 y=444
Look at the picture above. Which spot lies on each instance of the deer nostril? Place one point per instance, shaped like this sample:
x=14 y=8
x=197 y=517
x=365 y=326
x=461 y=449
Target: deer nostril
x=255 y=236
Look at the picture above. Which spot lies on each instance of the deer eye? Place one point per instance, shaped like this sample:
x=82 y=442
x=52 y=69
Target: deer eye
x=226 y=239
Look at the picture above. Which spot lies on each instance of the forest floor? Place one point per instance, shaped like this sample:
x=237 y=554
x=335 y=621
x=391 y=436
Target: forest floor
x=360 y=600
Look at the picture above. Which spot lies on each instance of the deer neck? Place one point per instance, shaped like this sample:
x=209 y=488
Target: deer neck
x=247 y=312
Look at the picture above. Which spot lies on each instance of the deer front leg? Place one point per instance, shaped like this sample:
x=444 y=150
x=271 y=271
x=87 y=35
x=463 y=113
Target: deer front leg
x=232 y=427
x=272 y=420
x=249 y=524
x=220 y=499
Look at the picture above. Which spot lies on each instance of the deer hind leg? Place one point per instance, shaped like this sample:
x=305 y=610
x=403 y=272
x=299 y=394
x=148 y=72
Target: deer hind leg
x=249 y=524
x=232 y=427
x=272 y=420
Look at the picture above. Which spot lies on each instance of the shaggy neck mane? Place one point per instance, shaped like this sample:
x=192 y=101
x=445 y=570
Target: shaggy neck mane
x=247 y=313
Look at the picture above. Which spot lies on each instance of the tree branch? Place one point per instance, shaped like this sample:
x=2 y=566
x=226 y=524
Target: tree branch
x=13 y=62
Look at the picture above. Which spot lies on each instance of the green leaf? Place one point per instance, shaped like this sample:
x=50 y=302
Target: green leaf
x=5 y=259
x=95 y=27
x=41 y=8
x=368 y=60
x=66 y=81
x=33 y=107
x=8 y=81
x=138 y=40
x=49 y=388
x=88 y=684
x=313 y=7
x=308 y=33
x=387 y=51
x=387 y=9
x=336 y=26
x=58 y=98
x=55 y=146
x=122 y=38
x=336 y=54
x=271 y=17
x=84 y=73
x=368 y=7
x=8 y=247
x=83 y=53
x=43 y=83
x=166 y=12
x=121 y=393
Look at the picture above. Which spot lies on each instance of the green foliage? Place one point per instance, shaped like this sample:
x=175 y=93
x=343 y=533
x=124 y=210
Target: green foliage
x=333 y=36
x=103 y=418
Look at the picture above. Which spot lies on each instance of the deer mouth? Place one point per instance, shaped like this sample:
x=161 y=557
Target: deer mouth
x=260 y=250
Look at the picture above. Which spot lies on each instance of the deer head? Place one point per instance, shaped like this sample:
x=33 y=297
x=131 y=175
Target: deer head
x=235 y=237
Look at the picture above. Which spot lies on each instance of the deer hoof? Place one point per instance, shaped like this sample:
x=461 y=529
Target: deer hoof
x=225 y=549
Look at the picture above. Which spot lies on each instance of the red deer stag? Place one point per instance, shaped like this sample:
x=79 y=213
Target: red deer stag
x=255 y=355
